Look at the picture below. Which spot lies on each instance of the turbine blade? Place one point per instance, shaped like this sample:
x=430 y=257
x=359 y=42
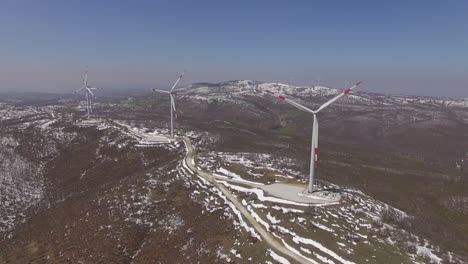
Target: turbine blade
x=89 y=91
x=79 y=90
x=173 y=103
x=345 y=92
x=180 y=77
x=299 y=106
x=85 y=79
x=159 y=91
x=173 y=106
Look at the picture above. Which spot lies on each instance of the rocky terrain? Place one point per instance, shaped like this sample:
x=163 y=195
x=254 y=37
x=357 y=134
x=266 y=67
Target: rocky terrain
x=95 y=192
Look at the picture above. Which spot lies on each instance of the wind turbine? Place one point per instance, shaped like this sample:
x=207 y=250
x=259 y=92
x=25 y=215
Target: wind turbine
x=88 y=92
x=314 y=150
x=171 y=95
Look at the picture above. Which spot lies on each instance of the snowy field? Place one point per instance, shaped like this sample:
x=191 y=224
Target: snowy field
x=342 y=233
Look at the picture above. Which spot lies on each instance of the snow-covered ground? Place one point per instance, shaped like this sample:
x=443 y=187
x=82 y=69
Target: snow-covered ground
x=340 y=234
x=258 y=163
x=21 y=185
x=21 y=174
x=344 y=233
x=353 y=231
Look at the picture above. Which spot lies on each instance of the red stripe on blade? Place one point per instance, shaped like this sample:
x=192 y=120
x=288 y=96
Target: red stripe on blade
x=281 y=97
x=316 y=151
x=347 y=91
x=358 y=83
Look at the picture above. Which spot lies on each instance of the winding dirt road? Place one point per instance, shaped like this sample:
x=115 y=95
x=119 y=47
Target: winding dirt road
x=273 y=242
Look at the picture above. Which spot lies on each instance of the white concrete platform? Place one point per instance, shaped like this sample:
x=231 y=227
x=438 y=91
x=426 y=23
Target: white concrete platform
x=146 y=138
x=89 y=122
x=153 y=138
x=299 y=193
x=291 y=192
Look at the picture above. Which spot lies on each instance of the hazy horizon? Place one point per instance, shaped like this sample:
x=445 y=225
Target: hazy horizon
x=68 y=82
x=394 y=47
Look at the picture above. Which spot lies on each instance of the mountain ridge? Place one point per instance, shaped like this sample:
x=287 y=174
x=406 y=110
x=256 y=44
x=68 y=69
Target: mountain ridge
x=246 y=87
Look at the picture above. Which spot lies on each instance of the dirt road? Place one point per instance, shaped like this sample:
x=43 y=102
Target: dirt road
x=273 y=242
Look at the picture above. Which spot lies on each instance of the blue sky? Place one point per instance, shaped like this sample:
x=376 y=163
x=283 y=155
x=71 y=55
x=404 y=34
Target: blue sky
x=410 y=47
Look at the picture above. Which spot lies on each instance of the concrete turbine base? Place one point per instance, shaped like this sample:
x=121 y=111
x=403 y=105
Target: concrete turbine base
x=299 y=193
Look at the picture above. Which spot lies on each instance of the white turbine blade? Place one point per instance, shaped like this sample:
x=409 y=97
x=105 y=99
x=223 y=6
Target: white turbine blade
x=89 y=91
x=301 y=107
x=345 y=92
x=81 y=89
x=173 y=105
x=173 y=108
x=159 y=91
x=85 y=79
x=180 y=77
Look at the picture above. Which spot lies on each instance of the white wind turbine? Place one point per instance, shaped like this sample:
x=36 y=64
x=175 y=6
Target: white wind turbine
x=88 y=93
x=171 y=95
x=314 y=150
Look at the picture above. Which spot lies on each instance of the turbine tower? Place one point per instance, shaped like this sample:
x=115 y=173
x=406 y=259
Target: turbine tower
x=314 y=149
x=88 y=93
x=171 y=95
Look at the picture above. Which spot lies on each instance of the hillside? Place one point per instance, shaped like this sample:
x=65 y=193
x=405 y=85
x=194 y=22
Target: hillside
x=97 y=191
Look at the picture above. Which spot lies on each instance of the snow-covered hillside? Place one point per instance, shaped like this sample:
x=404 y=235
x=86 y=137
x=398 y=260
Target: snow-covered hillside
x=28 y=140
x=230 y=89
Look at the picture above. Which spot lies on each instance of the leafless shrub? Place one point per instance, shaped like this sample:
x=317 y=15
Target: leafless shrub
x=312 y=210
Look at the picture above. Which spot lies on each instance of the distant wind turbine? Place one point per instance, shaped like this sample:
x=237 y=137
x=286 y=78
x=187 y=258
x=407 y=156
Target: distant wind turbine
x=314 y=150
x=171 y=95
x=88 y=93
